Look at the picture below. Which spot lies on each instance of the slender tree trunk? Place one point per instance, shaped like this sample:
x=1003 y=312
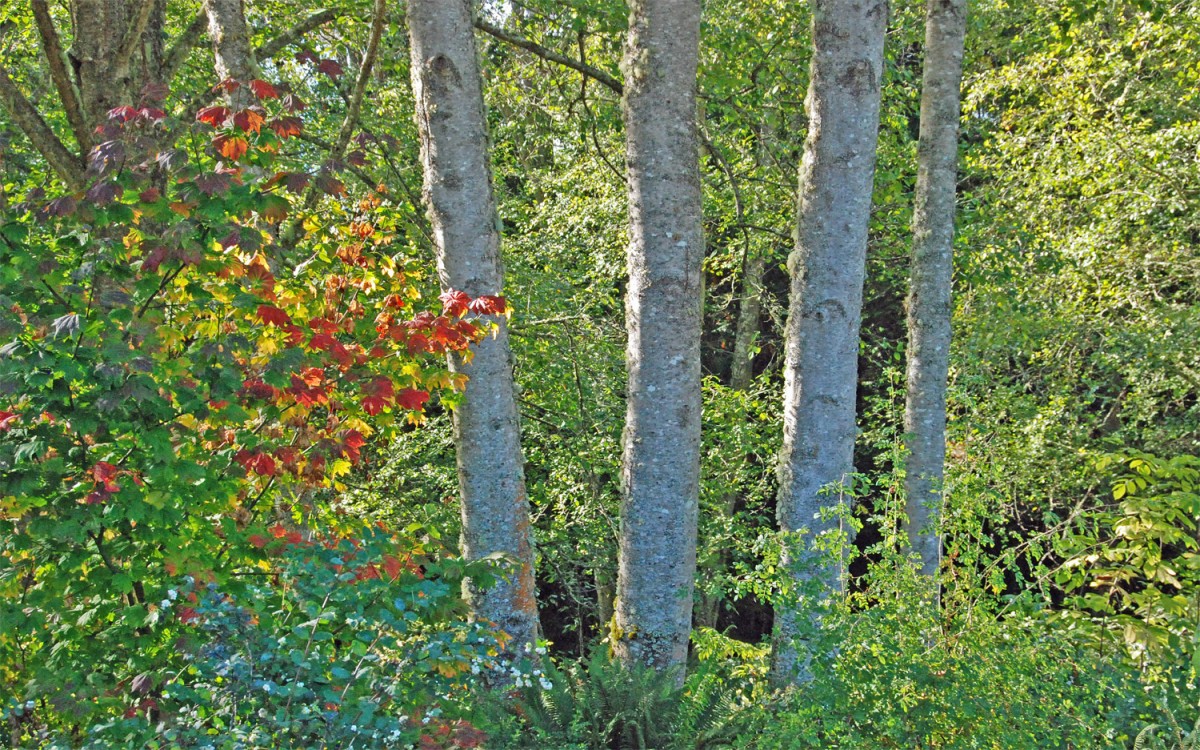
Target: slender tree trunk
x=657 y=548
x=827 y=267
x=929 y=305
x=462 y=210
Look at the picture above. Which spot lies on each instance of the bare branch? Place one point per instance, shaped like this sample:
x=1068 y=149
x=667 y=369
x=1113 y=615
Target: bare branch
x=183 y=46
x=354 y=107
x=548 y=54
x=295 y=34
x=63 y=82
x=29 y=120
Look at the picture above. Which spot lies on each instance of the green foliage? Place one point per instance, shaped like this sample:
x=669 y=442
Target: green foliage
x=353 y=641
x=600 y=705
x=1132 y=567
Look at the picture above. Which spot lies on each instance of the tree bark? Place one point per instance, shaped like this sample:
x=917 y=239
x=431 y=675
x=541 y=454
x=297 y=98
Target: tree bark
x=232 y=51
x=929 y=303
x=657 y=549
x=462 y=209
x=827 y=268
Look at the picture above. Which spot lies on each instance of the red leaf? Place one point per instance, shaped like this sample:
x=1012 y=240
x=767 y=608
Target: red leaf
x=213 y=183
x=154 y=259
x=259 y=463
x=227 y=86
x=263 y=90
x=122 y=114
x=215 y=116
x=331 y=68
x=306 y=56
x=6 y=420
x=248 y=121
x=454 y=302
x=410 y=398
x=286 y=127
x=321 y=342
x=231 y=147
x=271 y=315
x=104 y=474
x=488 y=304
x=258 y=540
x=393 y=302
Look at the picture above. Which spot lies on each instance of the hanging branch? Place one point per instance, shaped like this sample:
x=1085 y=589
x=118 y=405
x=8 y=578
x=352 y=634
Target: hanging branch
x=63 y=82
x=548 y=54
x=30 y=121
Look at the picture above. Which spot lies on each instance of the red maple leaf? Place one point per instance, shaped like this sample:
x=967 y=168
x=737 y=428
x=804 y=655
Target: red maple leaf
x=454 y=302
x=411 y=398
x=263 y=90
x=286 y=127
x=231 y=147
x=488 y=304
x=271 y=315
x=215 y=116
x=6 y=420
x=104 y=475
x=331 y=68
x=259 y=463
x=248 y=121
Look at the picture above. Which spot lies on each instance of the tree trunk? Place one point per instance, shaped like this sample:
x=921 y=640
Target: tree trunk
x=929 y=305
x=827 y=267
x=661 y=467
x=462 y=210
x=232 y=50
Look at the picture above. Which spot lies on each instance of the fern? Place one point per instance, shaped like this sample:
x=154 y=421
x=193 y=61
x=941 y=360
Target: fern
x=600 y=705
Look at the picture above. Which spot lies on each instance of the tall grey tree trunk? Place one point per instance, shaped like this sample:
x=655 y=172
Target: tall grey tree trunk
x=661 y=463
x=827 y=267
x=929 y=306
x=462 y=211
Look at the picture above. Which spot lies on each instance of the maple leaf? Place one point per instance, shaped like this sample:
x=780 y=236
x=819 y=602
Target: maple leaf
x=357 y=158
x=6 y=420
x=321 y=342
x=227 y=86
x=215 y=116
x=274 y=208
x=257 y=388
x=214 y=183
x=412 y=399
x=263 y=90
x=122 y=114
x=64 y=206
x=248 y=121
x=331 y=68
x=306 y=56
x=231 y=147
x=488 y=304
x=330 y=185
x=149 y=195
x=154 y=259
x=296 y=182
x=104 y=192
x=454 y=302
x=105 y=475
x=154 y=114
x=394 y=302
x=271 y=315
x=261 y=464
x=286 y=127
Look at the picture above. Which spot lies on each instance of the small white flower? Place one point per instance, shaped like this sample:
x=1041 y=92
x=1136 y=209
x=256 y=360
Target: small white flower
x=172 y=594
x=546 y=684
